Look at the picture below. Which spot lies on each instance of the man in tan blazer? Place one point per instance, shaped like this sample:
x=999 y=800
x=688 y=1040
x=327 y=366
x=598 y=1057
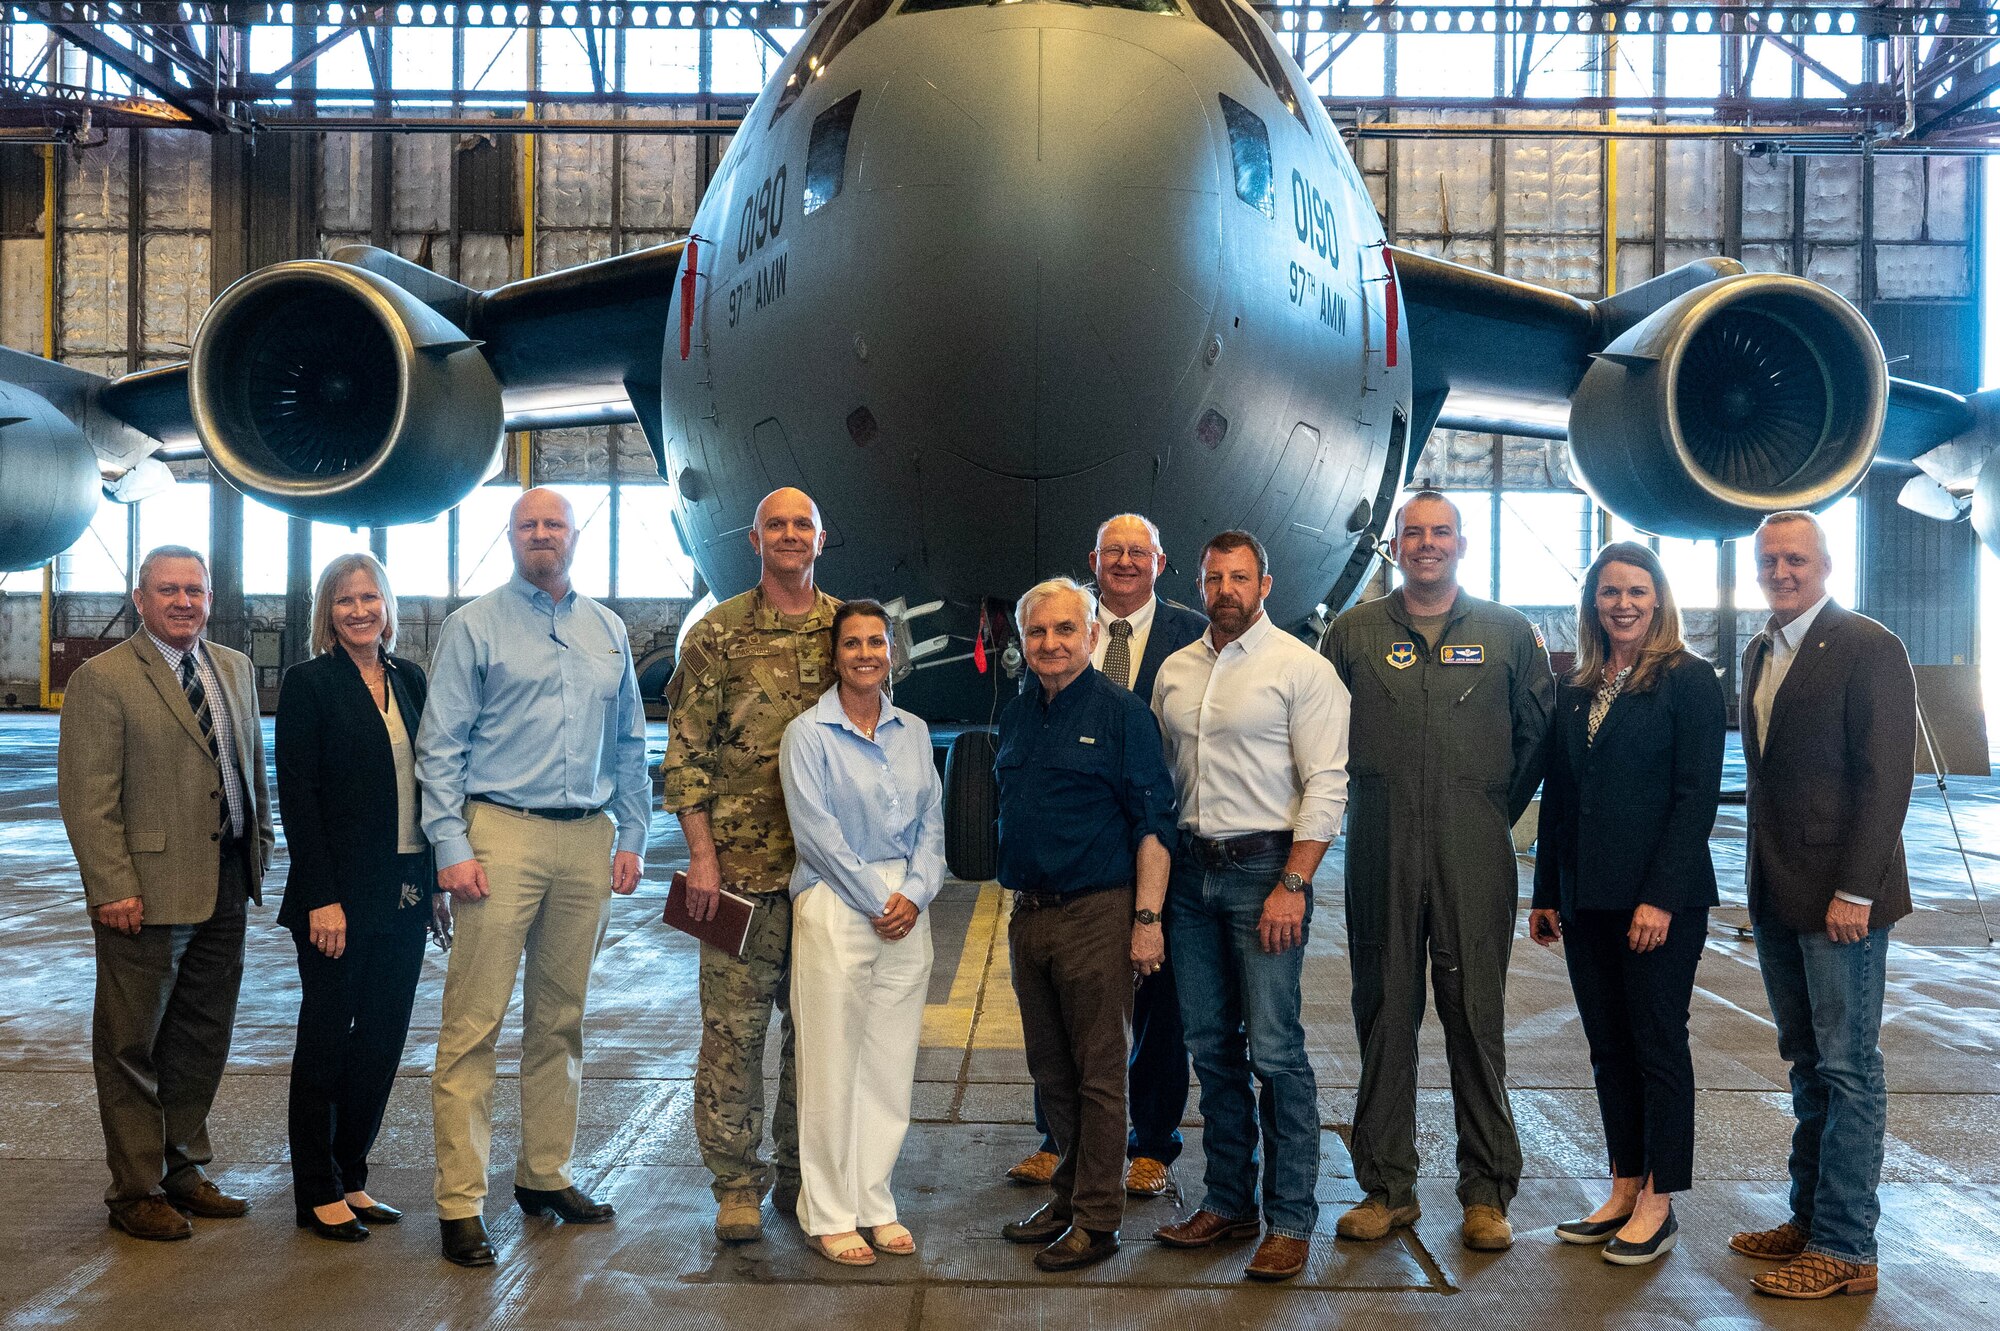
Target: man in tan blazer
x=160 y=775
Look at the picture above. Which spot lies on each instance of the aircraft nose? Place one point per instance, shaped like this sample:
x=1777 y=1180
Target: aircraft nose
x=1047 y=201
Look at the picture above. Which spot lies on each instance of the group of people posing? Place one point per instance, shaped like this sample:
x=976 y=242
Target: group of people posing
x=1168 y=783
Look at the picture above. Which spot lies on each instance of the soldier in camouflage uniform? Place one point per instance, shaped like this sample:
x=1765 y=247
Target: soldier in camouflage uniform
x=745 y=671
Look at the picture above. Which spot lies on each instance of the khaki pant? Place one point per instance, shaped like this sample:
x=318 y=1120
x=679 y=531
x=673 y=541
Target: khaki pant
x=550 y=899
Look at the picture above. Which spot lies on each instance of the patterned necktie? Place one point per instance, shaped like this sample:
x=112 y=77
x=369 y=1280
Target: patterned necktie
x=198 y=702
x=1118 y=656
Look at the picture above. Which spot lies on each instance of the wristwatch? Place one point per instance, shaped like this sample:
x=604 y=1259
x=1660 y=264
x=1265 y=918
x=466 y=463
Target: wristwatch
x=1143 y=916
x=1292 y=882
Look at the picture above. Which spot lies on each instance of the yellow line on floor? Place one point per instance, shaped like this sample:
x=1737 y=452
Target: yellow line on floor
x=982 y=990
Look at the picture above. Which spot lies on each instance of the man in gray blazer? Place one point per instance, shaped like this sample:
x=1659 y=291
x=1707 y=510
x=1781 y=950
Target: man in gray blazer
x=160 y=775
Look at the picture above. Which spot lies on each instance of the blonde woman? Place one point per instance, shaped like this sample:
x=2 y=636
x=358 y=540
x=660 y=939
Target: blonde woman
x=1624 y=880
x=359 y=896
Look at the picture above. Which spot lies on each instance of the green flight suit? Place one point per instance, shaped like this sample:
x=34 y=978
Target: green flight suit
x=744 y=673
x=1444 y=753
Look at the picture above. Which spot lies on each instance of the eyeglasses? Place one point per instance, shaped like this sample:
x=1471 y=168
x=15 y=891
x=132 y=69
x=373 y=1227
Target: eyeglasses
x=1138 y=553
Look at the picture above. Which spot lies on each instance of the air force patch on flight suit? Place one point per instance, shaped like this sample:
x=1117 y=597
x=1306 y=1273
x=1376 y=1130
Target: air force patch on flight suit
x=1402 y=655
x=1473 y=654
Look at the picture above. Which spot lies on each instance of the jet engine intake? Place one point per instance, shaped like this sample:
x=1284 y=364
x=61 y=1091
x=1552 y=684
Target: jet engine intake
x=331 y=393
x=48 y=480
x=1745 y=396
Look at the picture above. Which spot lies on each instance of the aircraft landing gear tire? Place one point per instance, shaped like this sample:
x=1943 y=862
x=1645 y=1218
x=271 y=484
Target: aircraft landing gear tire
x=971 y=808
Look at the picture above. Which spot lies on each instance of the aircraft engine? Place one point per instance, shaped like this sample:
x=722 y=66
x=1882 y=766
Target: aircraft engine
x=331 y=393
x=48 y=480
x=1748 y=395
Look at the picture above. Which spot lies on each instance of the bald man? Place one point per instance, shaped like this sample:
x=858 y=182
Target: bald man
x=745 y=671
x=532 y=758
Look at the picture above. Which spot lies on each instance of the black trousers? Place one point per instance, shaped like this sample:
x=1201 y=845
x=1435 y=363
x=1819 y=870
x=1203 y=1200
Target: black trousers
x=160 y=1030
x=1634 y=1007
x=353 y=1017
x=1072 y=968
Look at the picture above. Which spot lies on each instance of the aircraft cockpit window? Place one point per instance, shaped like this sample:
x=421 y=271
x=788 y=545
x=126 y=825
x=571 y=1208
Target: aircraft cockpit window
x=1244 y=33
x=843 y=24
x=1143 y=6
x=1250 y=154
x=826 y=152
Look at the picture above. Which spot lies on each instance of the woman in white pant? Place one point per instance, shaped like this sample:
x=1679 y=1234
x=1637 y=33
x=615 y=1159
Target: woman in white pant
x=866 y=808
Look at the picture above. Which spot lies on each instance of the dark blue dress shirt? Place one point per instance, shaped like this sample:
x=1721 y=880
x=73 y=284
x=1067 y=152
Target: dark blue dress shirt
x=1083 y=780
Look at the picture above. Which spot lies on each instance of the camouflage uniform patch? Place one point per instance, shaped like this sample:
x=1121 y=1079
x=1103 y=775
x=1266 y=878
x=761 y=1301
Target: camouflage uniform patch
x=744 y=673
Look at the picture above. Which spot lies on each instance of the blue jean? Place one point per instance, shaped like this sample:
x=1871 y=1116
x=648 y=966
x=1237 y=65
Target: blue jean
x=1240 y=1014
x=1826 y=998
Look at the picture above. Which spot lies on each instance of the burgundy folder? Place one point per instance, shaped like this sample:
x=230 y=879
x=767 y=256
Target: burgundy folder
x=728 y=930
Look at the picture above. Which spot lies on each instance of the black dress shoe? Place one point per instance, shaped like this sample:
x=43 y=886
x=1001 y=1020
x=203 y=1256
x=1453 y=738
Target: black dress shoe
x=1044 y=1225
x=350 y=1230
x=1621 y=1253
x=465 y=1242
x=569 y=1205
x=1077 y=1247
x=1591 y=1231
x=376 y=1213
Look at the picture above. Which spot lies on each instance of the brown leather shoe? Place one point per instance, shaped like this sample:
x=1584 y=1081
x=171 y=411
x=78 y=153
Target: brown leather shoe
x=1206 y=1227
x=1770 y=1245
x=209 y=1202
x=1486 y=1229
x=1278 y=1258
x=1146 y=1177
x=1814 y=1275
x=1077 y=1248
x=150 y=1218
x=1036 y=1170
x=1374 y=1218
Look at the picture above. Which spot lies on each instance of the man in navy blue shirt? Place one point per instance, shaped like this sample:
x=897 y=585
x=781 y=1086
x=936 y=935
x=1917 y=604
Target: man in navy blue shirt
x=1136 y=630
x=1086 y=811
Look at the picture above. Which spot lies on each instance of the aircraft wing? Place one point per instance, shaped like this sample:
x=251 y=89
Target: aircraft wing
x=1693 y=402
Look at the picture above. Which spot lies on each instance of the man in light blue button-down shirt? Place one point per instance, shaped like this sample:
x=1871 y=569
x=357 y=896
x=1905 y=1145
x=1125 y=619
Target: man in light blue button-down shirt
x=533 y=734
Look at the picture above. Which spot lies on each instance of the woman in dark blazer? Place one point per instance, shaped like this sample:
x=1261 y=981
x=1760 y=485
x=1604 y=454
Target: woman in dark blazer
x=1623 y=877
x=359 y=897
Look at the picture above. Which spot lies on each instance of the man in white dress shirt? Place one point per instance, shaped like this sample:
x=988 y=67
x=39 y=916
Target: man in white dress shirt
x=1256 y=735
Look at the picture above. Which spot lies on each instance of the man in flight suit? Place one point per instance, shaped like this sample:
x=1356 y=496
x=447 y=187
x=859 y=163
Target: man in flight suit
x=1451 y=698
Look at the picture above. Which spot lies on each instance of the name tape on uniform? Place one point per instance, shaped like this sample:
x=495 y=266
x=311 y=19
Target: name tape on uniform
x=1470 y=654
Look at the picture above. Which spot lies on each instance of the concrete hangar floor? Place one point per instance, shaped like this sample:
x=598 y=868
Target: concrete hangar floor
x=658 y=1266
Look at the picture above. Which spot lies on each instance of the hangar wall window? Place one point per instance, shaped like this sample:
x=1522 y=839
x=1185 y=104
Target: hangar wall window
x=96 y=563
x=826 y=153
x=650 y=559
x=484 y=561
x=419 y=560
x=841 y=26
x=175 y=517
x=1250 y=155
x=1543 y=540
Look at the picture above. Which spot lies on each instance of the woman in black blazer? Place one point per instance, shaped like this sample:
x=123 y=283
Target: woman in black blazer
x=1623 y=877
x=359 y=898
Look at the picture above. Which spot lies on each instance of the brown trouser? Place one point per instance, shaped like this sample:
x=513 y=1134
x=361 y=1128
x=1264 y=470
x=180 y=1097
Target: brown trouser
x=1072 y=967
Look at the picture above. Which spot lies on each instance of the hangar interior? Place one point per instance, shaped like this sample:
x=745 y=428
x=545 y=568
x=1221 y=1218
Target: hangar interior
x=144 y=166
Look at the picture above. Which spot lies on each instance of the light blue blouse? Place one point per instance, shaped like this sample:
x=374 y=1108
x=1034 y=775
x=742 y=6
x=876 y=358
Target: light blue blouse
x=854 y=801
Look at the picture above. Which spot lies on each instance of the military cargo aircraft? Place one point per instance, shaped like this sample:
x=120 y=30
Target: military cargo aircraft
x=976 y=275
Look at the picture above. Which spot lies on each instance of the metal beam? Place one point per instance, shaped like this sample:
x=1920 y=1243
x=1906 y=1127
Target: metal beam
x=151 y=75
x=1966 y=93
x=1849 y=20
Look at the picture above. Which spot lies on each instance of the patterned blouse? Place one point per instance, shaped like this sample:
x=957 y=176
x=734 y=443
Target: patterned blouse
x=1600 y=706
